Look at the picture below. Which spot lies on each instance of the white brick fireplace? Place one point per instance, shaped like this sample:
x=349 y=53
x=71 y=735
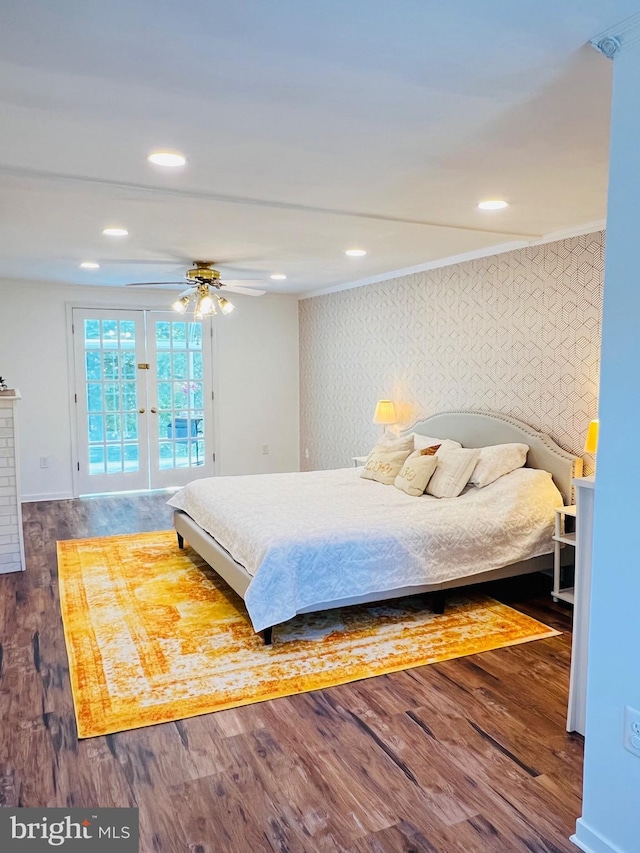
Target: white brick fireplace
x=11 y=543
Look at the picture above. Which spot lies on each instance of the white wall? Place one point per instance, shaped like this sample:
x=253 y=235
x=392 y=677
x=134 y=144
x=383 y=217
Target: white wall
x=256 y=348
x=257 y=378
x=611 y=807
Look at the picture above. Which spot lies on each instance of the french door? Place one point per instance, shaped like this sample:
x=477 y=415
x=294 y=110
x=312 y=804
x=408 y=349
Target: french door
x=143 y=379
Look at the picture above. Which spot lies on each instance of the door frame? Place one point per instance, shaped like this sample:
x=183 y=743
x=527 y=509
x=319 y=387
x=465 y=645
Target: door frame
x=137 y=479
x=87 y=304
x=167 y=315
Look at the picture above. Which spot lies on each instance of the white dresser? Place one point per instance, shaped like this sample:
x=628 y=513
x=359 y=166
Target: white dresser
x=11 y=542
x=585 y=493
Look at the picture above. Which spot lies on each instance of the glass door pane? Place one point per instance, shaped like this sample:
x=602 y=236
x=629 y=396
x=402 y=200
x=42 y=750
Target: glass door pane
x=111 y=400
x=180 y=432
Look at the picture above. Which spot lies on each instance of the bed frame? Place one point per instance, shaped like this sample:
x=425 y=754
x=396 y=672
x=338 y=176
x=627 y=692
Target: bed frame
x=471 y=429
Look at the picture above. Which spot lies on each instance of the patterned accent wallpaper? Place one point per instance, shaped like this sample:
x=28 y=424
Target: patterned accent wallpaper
x=517 y=333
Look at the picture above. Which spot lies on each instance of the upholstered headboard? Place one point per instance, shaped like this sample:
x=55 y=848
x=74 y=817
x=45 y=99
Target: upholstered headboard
x=480 y=429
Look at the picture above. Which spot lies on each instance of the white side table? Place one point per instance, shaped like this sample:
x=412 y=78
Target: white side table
x=585 y=493
x=562 y=537
x=358 y=461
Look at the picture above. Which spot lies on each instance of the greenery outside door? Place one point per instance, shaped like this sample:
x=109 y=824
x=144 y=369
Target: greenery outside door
x=143 y=392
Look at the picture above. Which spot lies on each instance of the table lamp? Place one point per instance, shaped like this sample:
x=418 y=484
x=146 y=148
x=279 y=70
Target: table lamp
x=385 y=413
x=591 y=441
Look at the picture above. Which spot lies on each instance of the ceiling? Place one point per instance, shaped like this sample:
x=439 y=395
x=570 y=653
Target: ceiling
x=309 y=128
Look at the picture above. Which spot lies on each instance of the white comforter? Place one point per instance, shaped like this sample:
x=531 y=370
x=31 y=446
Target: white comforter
x=315 y=537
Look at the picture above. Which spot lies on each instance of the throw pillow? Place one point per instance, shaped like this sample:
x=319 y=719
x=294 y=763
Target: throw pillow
x=384 y=463
x=422 y=441
x=430 y=451
x=416 y=473
x=496 y=461
x=455 y=466
x=391 y=441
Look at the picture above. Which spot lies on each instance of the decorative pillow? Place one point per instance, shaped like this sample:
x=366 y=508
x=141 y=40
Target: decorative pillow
x=416 y=473
x=391 y=441
x=496 y=461
x=452 y=474
x=429 y=451
x=422 y=441
x=384 y=463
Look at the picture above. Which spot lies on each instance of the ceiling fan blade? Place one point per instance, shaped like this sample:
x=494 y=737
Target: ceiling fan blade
x=154 y=283
x=136 y=261
x=242 y=282
x=246 y=290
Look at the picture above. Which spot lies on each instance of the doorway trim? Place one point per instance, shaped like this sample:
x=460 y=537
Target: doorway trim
x=212 y=408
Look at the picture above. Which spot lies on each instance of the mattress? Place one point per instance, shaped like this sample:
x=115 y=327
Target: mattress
x=320 y=536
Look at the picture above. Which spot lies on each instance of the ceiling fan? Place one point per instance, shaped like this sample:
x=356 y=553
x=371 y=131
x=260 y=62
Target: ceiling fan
x=202 y=277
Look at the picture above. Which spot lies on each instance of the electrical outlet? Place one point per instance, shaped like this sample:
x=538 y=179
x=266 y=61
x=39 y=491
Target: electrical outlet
x=44 y=461
x=631 y=732
x=265 y=449
x=306 y=453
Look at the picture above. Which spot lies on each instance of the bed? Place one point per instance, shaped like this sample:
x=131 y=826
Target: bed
x=303 y=542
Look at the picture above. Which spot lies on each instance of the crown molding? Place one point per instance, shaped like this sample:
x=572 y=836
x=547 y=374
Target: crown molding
x=487 y=251
x=618 y=38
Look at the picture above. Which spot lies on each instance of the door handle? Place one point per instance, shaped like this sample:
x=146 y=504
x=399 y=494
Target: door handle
x=142 y=411
x=153 y=411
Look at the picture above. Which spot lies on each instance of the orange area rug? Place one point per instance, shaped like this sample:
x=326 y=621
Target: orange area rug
x=154 y=635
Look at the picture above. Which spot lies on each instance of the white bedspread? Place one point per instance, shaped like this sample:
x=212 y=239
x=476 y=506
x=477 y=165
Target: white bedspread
x=308 y=538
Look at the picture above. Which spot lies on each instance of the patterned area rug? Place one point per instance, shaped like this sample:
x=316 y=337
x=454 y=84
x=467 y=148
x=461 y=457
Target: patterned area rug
x=153 y=635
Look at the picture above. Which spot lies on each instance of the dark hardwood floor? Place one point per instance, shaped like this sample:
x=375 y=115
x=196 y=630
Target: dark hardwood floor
x=468 y=755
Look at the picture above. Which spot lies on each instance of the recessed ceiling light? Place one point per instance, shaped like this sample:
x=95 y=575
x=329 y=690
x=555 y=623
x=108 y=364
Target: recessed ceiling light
x=115 y=232
x=355 y=253
x=277 y=276
x=89 y=265
x=171 y=159
x=493 y=204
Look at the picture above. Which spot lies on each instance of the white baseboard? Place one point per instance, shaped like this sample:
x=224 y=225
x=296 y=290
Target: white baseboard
x=50 y=496
x=590 y=841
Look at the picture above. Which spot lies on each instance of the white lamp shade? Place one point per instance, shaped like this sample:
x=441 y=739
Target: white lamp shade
x=204 y=305
x=385 y=413
x=225 y=306
x=181 y=305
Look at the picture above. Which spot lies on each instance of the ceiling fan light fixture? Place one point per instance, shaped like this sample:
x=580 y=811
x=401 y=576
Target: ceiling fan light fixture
x=205 y=306
x=203 y=291
x=168 y=159
x=181 y=305
x=225 y=306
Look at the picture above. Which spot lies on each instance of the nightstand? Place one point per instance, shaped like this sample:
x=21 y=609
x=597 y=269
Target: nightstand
x=562 y=537
x=358 y=461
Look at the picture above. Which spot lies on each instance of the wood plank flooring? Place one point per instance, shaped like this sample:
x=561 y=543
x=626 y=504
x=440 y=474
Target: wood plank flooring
x=467 y=755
